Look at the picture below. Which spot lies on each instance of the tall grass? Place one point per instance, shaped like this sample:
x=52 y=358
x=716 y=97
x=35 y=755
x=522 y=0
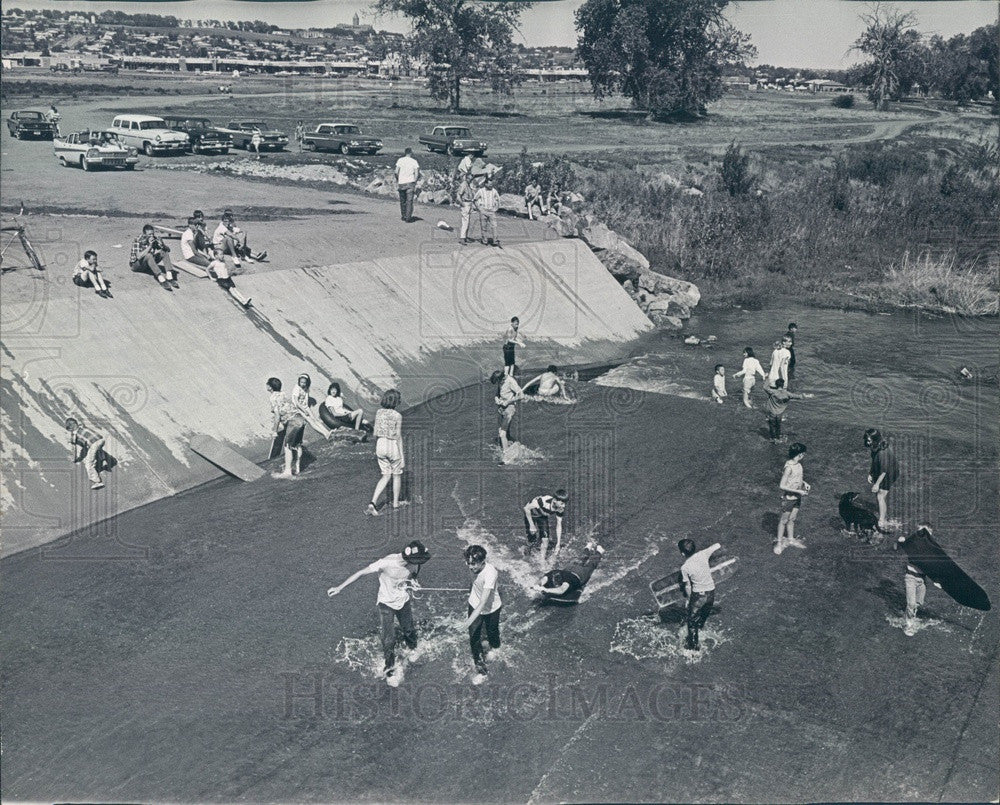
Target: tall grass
x=941 y=283
x=827 y=224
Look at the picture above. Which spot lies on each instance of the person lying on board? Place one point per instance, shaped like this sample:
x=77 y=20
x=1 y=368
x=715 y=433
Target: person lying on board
x=566 y=584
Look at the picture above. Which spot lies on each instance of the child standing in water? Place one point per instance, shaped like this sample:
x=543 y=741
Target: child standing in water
x=287 y=419
x=511 y=340
x=389 y=450
x=719 y=384
x=484 y=609
x=793 y=489
x=300 y=399
x=751 y=368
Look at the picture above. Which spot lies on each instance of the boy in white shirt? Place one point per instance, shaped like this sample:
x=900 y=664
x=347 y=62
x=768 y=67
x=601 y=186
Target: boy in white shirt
x=698 y=585
x=484 y=608
x=407 y=173
x=189 y=245
x=88 y=275
x=397 y=574
x=719 y=384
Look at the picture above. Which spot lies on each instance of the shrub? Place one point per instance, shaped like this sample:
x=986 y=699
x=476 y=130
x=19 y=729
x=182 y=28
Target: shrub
x=844 y=101
x=735 y=172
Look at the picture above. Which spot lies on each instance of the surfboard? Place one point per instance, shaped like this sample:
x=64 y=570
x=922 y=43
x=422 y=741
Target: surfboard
x=667 y=590
x=225 y=458
x=924 y=553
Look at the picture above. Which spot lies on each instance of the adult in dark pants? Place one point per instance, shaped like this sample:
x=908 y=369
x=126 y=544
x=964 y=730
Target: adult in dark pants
x=699 y=587
x=884 y=472
x=407 y=173
x=396 y=573
x=484 y=608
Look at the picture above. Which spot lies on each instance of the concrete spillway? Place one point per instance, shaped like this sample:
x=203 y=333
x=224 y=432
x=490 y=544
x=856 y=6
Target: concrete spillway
x=149 y=369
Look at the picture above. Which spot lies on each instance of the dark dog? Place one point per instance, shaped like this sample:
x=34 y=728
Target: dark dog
x=855 y=516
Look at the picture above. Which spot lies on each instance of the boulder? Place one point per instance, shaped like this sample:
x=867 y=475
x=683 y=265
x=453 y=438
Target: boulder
x=566 y=225
x=575 y=198
x=692 y=340
x=512 y=204
x=693 y=191
x=669 y=306
x=686 y=293
x=664 y=321
x=621 y=267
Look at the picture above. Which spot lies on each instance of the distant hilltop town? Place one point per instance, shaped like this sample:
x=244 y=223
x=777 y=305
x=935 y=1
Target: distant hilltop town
x=77 y=41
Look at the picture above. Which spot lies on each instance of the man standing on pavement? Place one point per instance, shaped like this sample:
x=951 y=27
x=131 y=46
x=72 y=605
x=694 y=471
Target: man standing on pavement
x=397 y=575
x=487 y=201
x=466 y=194
x=407 y=173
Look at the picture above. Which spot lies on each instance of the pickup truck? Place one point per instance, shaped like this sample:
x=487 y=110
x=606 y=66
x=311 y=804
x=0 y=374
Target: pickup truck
x=29 y=123
x=202 y=138
x=343 y=137
x=241 y=132
x=452 y=140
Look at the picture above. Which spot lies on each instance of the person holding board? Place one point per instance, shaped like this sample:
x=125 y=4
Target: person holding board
x=698 y=586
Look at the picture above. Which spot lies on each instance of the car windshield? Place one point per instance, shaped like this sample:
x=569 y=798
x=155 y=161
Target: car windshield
x=30 y=115
x=457 y=132
x=252 y=125
x=146 y=125
x=349 y=130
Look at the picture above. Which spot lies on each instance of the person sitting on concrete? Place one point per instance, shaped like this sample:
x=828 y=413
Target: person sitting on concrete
x=88 y=275
x=189 y=246
x=87 y=447
x=233 y=240
x=549 y=384
x=151 y=255
x=565 y=585
x=343 y=413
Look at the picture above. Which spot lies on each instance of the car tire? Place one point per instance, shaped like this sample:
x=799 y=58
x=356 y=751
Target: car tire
x=224 y=151
x=147 y=149
x=84 y=164
x=345 y=149
x=62 y=161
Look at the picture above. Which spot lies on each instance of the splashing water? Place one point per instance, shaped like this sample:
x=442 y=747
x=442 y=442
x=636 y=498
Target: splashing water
x=519 y=455
x=550 y=400
x=899 y=622
x=648 y=373
x=525 y=573
x=646 y=638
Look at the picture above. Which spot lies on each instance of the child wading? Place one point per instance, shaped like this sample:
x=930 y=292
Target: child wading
x=484 y=609
x=751 y=368
x=397 y=573
x=699 y=587
x=793 y=489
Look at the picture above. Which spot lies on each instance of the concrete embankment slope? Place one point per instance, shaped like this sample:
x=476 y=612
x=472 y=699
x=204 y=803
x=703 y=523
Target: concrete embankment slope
x=149 y=369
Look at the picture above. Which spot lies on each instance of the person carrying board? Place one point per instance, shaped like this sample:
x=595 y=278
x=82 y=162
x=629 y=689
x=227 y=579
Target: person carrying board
x=699 y=587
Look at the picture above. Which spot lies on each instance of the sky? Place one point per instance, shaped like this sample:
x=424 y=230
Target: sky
x=791 y=33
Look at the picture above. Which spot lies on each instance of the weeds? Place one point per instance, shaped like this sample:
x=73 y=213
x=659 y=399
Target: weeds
x=940 y=283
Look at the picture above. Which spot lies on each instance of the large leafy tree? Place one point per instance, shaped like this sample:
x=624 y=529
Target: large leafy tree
x=460 y=39
x=667 y=56
x=894 y=46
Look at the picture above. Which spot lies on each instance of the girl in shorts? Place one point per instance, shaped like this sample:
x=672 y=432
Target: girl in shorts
x=389 y=450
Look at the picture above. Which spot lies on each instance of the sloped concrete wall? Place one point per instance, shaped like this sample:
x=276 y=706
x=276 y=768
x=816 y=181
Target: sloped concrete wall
x=150 y=369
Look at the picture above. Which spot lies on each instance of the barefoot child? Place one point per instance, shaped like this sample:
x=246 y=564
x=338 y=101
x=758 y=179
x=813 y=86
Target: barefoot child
x=87 y=447
x=719 y=384
x=751 y=368
x=777 y=404
x=537 y=512
x=286 y=417
x=508 y=393
x=301 y=400
x=511 y=340
x=698 y=586
x=343 y=413
x=549 y=384
x=484 y=608
x=396 y=574
x=389 y=450
x=793 y=489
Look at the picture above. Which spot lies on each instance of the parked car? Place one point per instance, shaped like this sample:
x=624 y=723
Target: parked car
x=202 y=137
x=30 y=124
x=242 y=132
x=94 y=149
x=452 y=140
x=344 y=137
x=149 y=134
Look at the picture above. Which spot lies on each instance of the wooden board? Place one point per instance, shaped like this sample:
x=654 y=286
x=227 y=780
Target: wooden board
x=924 y=553
x=667 y=591
x=190 y=268
x=225 y=458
